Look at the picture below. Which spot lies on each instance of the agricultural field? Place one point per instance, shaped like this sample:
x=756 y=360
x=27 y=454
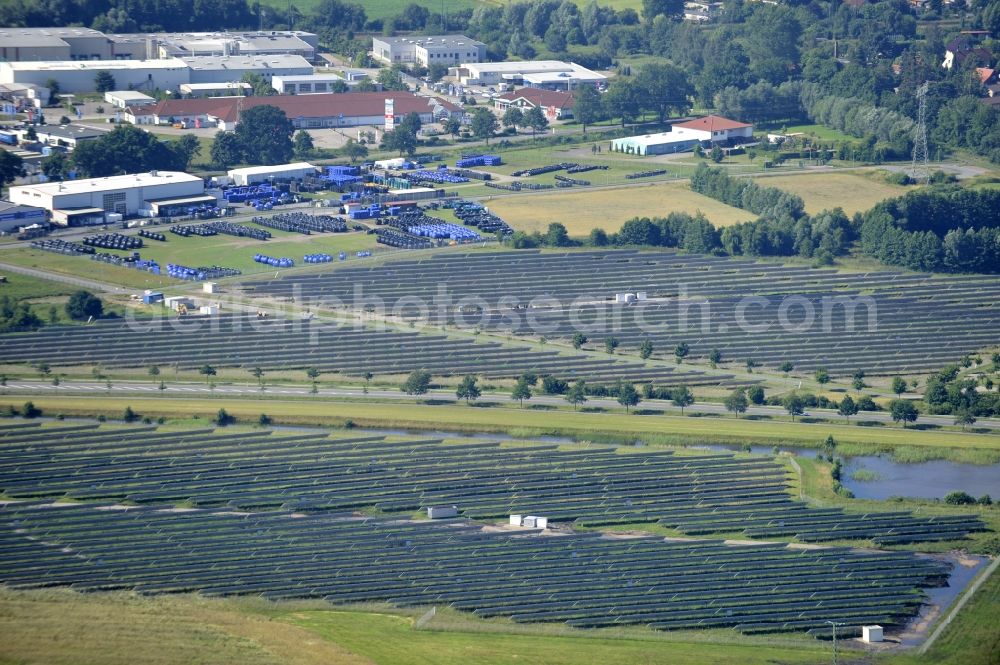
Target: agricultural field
x=581 y=210
x=854 y=192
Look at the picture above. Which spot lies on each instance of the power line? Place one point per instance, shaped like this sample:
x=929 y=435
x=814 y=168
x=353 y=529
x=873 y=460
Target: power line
x=920 y=169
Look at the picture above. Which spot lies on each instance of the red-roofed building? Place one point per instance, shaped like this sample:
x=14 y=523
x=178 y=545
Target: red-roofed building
x=348 y=109
x=986 y=75
x=715 y=128
x=557 y=105
x=684 y=136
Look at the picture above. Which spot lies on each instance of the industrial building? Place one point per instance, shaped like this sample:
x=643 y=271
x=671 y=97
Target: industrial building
x=66 y=136
x=73 y=76
x=52 y=44
x=314 y=111
x=427 y=51
x=545 y=74
x=14 y=216
x=306 y=84
x=684 y=136
x=78 y=202
x=255 y=174
x=149 y=75
x=267 y=43
x=230 y=89
x=49 y=44
x=215 y=69
x=122 y=98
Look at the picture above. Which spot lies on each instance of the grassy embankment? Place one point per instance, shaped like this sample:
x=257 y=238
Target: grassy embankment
x=57 y=627
x=527 y=422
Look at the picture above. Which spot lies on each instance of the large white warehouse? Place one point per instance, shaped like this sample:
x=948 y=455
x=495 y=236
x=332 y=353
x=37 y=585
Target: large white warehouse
x=78 y=76
x=545 y=74
x=76 y=200
x=148 y=75
x=255 y=174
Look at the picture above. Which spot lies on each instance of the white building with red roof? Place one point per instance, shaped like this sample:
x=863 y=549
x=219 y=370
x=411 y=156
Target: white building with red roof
x=683 y=136
x=557 y=105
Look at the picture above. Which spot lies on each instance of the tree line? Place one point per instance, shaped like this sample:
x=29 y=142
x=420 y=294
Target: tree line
x=943 y=229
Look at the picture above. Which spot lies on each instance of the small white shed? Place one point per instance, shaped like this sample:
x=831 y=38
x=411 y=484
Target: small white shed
x=871 y=634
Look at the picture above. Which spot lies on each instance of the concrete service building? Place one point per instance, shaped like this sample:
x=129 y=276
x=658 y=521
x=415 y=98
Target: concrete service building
x=427 y=51
x=123 y=194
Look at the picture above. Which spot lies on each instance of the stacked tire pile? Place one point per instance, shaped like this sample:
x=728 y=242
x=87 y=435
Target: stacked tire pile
x=394 y=238
x=113 y=241
x=201 y=273
x=133 y=262
x=441 y=176
x=194 y=230
x=152 y=235
x=317 y=258
x=469 y=161
x=300 y=222
x=570 y=182
x=473 y=214
x=645 y=174
x=282 y=262
x=583 y=168
x=61 y=247
x=239 y=230
x=539 y=170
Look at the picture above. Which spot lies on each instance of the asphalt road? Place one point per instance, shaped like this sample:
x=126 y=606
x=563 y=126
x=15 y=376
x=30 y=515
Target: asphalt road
x=236 y=390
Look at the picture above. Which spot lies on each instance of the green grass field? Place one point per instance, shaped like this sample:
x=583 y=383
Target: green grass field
x=581 y=210
x=817 y=131
x=973 y=639
x=221 y=250
x=23 y=287
x=853 y=192
x=528 y=422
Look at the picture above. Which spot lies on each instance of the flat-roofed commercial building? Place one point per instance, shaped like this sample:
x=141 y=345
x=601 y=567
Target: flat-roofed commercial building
x=213 y=69
x=545 y=74
x=122 y=194
x=427 y=51
x=73 y=76
x=35 y=44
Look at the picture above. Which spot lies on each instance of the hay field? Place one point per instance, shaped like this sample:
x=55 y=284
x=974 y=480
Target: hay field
x=824 y=191
x=581 y=210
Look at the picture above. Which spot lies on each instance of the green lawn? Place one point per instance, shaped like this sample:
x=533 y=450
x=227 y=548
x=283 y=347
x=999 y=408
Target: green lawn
x=221 y=250
x=23 y=287
x=816 y=131
x=389 y=639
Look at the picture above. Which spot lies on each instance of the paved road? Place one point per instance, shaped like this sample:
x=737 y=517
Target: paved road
x=236 y=390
